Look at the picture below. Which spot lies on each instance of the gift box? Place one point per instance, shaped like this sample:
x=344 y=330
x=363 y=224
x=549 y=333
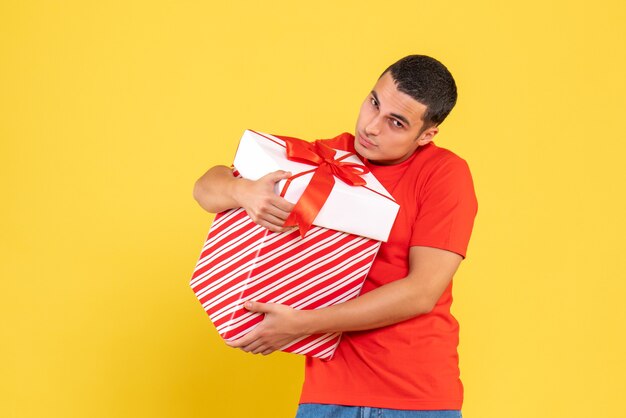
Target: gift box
x=323 y=263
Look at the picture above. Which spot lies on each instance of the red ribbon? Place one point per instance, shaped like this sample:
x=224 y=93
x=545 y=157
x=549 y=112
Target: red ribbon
x=323 y=180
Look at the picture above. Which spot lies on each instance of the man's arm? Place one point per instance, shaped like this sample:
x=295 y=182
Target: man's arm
x=430 y=272
x=218 y=190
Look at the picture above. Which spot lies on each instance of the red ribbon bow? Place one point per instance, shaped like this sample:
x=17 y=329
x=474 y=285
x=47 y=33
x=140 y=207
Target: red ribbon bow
x=323 y=180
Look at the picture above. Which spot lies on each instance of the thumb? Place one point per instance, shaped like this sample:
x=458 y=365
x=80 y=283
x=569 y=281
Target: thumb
x=258 y=307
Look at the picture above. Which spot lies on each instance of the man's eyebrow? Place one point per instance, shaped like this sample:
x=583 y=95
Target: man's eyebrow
x=395 y=115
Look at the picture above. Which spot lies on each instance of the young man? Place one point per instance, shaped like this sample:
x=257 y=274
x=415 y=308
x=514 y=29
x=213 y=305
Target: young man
x=398 y=354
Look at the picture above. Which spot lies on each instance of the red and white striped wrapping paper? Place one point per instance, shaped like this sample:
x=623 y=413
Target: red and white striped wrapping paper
x=243 y=261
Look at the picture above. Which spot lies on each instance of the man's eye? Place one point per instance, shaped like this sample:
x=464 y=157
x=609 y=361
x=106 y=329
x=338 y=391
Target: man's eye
x=374 y=102
x=396 y=123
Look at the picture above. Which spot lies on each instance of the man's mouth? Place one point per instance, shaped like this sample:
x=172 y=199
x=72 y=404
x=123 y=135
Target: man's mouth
x=365 y=142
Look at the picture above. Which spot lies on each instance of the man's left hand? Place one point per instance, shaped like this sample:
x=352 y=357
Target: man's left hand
x=281 y=326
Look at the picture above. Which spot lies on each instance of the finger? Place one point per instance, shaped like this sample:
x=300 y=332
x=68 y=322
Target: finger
x=254 y=347
x=235 y=343
x=260 y=349
x=261 y=307
x=268 y=351
x=272 y=209
x=247 y=339
x=282 y=204
x=272 y=227
x=270 y=179
x=277 y=175
x=275 y=216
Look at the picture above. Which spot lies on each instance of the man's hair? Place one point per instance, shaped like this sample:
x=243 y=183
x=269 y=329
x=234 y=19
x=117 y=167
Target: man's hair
x=429 y=82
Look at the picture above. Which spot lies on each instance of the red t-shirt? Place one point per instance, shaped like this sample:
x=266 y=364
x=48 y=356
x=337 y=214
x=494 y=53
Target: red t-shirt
x=412 y=364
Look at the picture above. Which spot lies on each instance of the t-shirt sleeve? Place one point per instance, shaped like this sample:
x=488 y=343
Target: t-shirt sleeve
x=447 y=207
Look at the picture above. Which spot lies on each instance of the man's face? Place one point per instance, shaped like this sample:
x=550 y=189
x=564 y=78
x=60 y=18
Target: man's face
x=389 y=127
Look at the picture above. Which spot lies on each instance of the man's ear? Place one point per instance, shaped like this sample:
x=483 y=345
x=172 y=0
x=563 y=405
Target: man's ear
x=427 y=136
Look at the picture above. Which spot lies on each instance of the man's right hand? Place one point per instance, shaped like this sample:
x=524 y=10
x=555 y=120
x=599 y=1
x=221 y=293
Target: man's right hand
x=261 y=202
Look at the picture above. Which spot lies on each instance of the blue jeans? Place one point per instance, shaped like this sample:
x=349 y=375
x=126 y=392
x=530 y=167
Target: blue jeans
x=316 y=410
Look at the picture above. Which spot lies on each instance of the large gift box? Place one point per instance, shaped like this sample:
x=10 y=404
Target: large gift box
x=343 y=213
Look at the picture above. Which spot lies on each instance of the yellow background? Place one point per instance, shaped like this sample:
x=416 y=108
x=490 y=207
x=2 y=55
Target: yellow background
x=111 y=110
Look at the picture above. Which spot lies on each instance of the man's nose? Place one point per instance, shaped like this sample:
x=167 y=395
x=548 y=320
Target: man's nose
x=373 y=127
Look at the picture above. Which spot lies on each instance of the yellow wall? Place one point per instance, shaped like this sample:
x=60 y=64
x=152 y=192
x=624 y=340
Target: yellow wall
x=110 y=110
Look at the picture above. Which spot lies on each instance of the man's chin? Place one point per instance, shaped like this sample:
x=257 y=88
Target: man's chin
x=360 y=150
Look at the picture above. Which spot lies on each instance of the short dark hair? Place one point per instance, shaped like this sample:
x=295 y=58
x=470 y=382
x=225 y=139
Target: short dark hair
x=429 y=82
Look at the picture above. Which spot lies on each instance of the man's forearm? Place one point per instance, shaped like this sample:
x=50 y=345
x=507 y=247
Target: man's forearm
x=215 y=191
x=386 y=305
x=394 y=302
